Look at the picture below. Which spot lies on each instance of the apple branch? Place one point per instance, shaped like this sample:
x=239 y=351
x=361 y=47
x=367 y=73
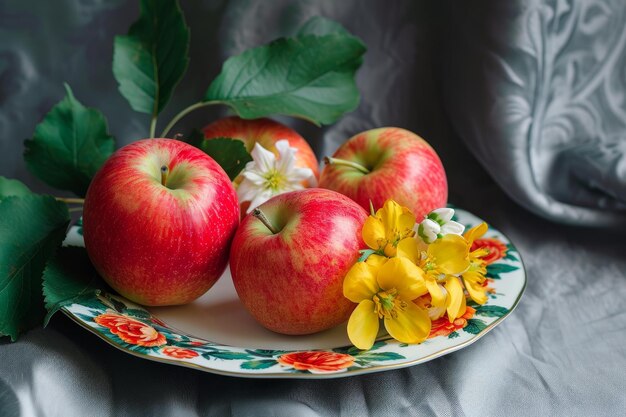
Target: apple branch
x=261 y=216
x=337 y=161
x=71 y=200
x=183 y=113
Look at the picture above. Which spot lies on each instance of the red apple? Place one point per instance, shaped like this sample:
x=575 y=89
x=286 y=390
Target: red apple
x=158 y=219
x=386 y=163
x=266 y=132
x=291 y=278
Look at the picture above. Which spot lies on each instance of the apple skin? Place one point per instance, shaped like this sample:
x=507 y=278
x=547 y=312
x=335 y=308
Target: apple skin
x=402 y=167
x=266 y=132
x=292 y=282
x=152 y=244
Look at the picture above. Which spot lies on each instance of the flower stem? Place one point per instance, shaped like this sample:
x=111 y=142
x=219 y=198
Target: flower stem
x=71 y=200
x=183 y=113
x=261 y=216
x=337 y=161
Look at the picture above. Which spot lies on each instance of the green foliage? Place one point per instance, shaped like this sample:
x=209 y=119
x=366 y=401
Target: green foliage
x=69 y=278
x=310 y=76
x=12 y=188
x=230 y=154
x=149 y=62
x=225 y=354
x=31 y=227
x=69 y=145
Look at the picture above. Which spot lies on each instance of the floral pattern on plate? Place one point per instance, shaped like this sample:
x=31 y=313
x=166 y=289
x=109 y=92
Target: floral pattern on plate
x=135 y=330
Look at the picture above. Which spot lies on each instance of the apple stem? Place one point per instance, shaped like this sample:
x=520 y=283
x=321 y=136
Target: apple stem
x=337 y=161
x=164 y=171
x=261 y=216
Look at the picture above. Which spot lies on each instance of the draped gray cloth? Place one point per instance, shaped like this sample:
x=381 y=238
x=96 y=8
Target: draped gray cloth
x=523 y=100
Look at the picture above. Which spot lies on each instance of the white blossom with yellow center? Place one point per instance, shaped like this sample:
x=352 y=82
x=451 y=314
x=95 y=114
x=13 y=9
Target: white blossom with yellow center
x=266 y=176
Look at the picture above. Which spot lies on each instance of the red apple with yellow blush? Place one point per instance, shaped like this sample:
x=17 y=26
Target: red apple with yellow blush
x=388 y=163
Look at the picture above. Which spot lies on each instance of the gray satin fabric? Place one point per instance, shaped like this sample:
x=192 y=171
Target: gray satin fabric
x=437 y=70
x=536 y=90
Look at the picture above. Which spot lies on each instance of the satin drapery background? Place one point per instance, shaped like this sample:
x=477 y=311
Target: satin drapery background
x=523 y=100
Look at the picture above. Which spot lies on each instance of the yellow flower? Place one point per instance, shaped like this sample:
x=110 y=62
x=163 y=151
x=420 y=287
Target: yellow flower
x=474 y=277
x=441 y=261
x=385 y=230
x=386 y=291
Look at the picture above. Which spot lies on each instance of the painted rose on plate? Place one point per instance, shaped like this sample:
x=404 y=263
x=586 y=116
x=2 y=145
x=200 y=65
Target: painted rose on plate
x=317 y=361
x=130 y=330
x=179 y=353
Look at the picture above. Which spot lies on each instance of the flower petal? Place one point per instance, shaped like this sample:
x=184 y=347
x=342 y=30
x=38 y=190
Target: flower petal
x=441 y=215
x=403 y=275
x=411 y=325
x=450 y=253
x=428 y=230
x=363 y=325
x=455 y=301
x=373 y=232
x=360 y=282
x=376 y=260
x=473 y=281
x=452 y=228
x=437 y=294
x=408 y=248
x=260 y=198
x=475 y=232
x=264 y=159
x=287 y=158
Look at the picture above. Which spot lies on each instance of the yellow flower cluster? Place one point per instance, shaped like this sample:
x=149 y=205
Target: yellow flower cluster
x=408 y=283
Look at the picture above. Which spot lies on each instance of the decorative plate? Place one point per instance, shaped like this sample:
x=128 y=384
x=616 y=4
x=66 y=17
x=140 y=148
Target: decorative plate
x=216 y=334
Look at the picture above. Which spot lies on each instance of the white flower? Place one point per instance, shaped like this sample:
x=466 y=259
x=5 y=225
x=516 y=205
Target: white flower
x=265 y=176
x=437 y=224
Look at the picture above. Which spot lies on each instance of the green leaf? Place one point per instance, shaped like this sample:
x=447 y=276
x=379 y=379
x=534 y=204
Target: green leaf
x=69 y=278
x=224 y=354
x=491 y=311
x=453 y=335
x=230 y=154
x=475 y=326
x=380 y=356
x=266 y=353
x=149 y=62
x=494 y=270
x=12 y=188
x=31 y=229
x=259 y=364
x=308 y=76
x=69 y=145
x=318 y=25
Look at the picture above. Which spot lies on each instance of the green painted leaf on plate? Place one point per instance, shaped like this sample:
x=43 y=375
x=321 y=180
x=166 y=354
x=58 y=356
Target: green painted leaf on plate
x=12 y=188
x=380 y=356
x=308 y=76
x=227 y=355
x=230 y=154
x=69 y=277
x=137 y=313
x=258 y=364
x=475 y=326
x=152 y=58
x=491 y=311
x=31 y=229
x=453 y=335
x=494 y=270
x=69 y=146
